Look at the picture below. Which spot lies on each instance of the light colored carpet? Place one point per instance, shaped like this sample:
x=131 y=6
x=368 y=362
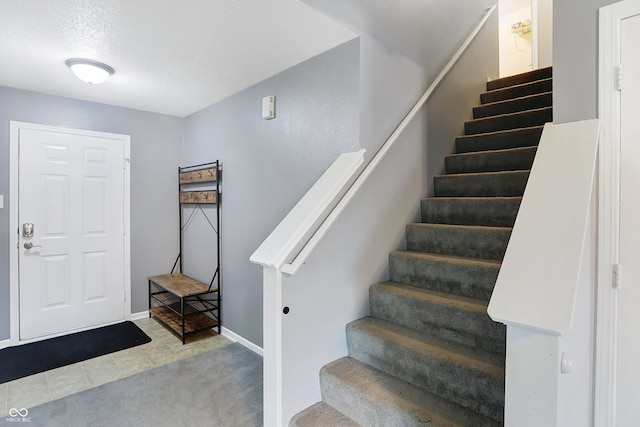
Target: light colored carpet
x=221 y=387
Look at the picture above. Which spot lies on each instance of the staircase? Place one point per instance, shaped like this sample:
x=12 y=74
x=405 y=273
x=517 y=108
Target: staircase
x=429 y=355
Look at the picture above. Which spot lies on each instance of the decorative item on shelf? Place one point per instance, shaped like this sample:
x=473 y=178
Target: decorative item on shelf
x=521 y=31
x=521 y=27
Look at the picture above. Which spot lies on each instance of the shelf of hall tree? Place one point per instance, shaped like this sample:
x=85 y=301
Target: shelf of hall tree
x=178 y=286
x=199 y=177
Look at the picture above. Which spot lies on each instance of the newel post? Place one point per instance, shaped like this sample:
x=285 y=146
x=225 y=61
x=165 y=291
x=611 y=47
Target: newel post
x=272 y=345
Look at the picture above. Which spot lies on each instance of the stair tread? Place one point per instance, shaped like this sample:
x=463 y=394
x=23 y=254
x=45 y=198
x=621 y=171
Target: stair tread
x=509 y=120
x=461 y=226
x=474 y=198
x=482 y=183
x=473 y=277
x=502 y=159
x=476 y=241
x=470 y=174
x=506 y=81
x=321 y=415
x=474 y=357
x=514 y=150
x=418 y=406
x=444 y=298
x=507 y=115
x=449 y=258
x=467 y=210
x=530 y=83
x=513 y=105
x=499 y=139
x=451 y=316
x=513 y=100
x=501 y=132
x=516 y=91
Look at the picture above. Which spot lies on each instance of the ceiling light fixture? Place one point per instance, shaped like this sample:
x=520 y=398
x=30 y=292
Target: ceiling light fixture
x=90 y=71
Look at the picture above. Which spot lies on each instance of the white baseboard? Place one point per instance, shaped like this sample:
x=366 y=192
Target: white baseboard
x=245 y=342
x=227 y=333
x=140 y=315
x=5 y=344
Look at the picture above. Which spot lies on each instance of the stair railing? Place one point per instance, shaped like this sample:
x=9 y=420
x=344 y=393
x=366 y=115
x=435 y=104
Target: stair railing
x=543 y=291
x=291 y=243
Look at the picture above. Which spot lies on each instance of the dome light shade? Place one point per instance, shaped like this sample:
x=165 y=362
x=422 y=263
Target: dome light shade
x=90 y=71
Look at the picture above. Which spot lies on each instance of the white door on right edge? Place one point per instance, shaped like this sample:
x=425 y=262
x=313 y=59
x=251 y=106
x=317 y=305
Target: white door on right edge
x=628 y=377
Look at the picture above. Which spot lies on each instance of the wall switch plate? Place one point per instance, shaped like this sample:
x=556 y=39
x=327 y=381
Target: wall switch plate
x=1 y=201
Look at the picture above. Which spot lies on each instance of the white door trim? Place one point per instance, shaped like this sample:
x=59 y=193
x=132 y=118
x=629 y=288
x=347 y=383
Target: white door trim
x=14 y=302
x=534 y=34
x=610 y=19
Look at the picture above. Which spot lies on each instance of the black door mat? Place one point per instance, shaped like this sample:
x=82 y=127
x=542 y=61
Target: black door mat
x=24 y=360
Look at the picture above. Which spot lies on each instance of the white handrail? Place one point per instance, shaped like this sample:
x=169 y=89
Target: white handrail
x=293 y=267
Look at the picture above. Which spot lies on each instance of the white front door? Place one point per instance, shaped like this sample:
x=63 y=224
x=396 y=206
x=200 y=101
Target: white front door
x=628 y=376
x=71 y=189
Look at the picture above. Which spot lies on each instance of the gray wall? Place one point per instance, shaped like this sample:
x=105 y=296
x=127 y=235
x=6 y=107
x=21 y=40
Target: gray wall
x=452 y=103
x=415 y=29
x=156 y=143
x=425 y=36
x=267 y=167
x=575 y=59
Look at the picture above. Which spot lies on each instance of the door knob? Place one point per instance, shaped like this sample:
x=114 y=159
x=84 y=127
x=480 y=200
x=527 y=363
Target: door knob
x=29 y=245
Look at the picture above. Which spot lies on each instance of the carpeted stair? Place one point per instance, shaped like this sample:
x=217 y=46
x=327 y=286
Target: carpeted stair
x=429 y=355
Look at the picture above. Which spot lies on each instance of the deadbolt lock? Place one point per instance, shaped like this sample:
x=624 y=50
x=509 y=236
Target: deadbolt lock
x=27 y=230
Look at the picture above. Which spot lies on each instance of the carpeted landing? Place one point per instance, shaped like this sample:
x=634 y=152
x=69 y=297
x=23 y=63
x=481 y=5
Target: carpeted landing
x=429 y=355
x=221 y=387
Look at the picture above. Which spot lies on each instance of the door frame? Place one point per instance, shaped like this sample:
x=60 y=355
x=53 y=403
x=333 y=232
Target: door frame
x=14 y=286
x=606 y=352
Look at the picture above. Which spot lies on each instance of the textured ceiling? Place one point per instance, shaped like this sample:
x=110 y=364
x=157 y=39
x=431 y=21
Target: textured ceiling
x=171 y=56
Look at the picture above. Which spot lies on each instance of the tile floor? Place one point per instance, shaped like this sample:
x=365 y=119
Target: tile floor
x=50 y=385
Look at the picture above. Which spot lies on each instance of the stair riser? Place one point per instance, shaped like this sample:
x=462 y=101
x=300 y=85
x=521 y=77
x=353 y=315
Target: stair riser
x=531 y=102
x=463 y=384
x=406 y=308
x=517 y=159
x=472 y=280
x=540 y=86
x=365 y=409
x=499 y=141
x=484 y=185
x=510 y=121
x=495 y=212
x=472 y=242
x=372 y=398
x=539 y=74
x=321 y=411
